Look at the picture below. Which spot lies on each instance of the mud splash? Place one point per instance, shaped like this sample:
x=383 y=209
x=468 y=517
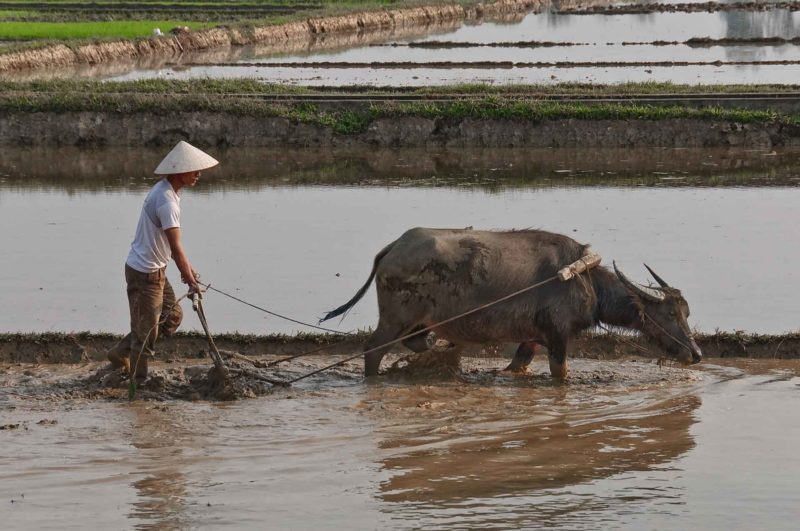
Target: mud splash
x=276 y=37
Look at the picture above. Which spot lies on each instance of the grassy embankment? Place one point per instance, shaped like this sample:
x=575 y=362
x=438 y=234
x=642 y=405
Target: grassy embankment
x=491 y=103
x=33 y=25
x=27 y=31
x=252 y=86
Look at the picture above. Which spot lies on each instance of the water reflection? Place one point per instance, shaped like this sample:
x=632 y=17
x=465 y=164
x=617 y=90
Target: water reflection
x=476 y=456
x=161 y=439
x=76 y=171
x=773 y=23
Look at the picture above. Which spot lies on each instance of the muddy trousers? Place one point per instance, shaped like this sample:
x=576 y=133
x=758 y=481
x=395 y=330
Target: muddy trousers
x=151 y=301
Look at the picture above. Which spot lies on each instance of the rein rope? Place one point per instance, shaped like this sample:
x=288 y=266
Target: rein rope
x=623 y=339
x=339 y=332
x=675 y=339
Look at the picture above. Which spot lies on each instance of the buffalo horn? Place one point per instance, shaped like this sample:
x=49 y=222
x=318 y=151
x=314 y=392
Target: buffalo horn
x=643 y=291
x=658 y=278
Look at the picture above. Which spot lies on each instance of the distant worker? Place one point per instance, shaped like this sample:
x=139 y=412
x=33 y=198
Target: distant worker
x=158 y=236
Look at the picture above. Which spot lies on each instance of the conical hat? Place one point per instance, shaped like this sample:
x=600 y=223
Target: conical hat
x=185 y=158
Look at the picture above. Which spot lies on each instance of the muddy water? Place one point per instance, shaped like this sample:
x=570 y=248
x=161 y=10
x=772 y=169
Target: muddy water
x=296 y=232
x=597 y=38
x=641 y=448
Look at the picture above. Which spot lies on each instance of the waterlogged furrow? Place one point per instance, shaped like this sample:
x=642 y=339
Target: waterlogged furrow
x=694 y=41
x=490 y=65
x=687 y=7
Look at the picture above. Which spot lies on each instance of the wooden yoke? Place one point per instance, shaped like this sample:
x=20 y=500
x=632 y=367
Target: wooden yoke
x=588 y=261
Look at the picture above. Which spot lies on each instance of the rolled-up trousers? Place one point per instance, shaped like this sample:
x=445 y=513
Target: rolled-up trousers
x=151 y=300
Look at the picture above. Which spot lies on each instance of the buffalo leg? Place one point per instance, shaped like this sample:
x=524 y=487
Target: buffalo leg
x=557 y=354
x=523 y=357
x=417 y=343
x=376 y=346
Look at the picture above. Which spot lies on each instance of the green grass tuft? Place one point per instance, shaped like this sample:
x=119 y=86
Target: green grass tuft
x=356 y=120
x=127 y=29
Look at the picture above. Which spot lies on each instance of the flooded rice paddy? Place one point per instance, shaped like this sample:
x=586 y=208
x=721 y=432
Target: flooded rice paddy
x=296 y=231
x=541 y=47
x=623 y=444
x=638 y=447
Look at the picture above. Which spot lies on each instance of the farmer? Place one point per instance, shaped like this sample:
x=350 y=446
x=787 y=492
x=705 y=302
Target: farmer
x=158 y=236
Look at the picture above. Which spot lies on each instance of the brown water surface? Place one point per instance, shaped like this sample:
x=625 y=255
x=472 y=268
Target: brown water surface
x=637 y=448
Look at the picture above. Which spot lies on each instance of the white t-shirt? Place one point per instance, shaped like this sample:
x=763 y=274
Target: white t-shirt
x=161 y=211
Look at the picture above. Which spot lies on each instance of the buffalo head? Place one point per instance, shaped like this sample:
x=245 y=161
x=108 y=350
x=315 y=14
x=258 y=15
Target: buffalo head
x=663 y=312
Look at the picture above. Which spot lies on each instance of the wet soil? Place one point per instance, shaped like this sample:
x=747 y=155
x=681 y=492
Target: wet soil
x=86 y=347
x=45 y=368
x=190 y=380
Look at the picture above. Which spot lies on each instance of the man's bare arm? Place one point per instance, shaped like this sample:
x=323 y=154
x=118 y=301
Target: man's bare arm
x=187 y=273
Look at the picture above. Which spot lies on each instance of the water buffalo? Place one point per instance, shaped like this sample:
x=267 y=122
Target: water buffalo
x=430 y=275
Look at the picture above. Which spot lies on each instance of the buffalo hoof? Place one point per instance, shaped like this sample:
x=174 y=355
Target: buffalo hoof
x=558 y=371
x=517 y=369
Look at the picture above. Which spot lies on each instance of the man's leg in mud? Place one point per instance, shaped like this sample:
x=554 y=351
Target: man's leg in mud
x=145 y=296
x=120 y=354
x=171 y=313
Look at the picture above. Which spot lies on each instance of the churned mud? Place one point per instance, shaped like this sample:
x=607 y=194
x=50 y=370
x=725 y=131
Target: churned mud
x=595 y=361
x=197 y=379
